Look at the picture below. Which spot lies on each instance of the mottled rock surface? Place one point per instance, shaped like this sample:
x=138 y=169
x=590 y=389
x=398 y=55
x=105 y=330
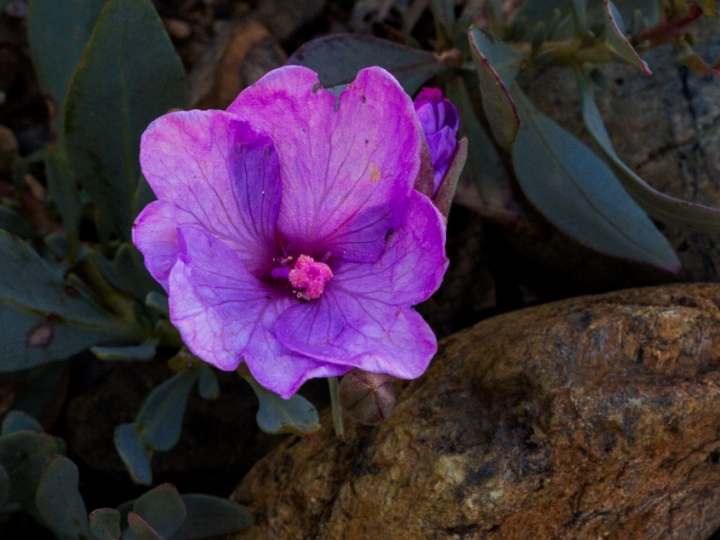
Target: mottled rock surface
x=596 y=417
x=666 y=127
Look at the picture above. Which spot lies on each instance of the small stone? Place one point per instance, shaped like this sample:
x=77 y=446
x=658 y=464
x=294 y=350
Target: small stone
x=177 y=28
x=8 y=141
x=594 y=417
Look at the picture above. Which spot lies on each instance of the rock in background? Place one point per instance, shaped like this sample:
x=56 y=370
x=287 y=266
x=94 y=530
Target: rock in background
x=596 y=417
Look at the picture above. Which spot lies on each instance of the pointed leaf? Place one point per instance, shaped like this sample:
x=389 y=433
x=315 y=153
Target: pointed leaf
x=105 y=524
x=211 y=516
x=277 y=415
x=141 y=529
x=162 y=509
x=496 y=63
x=577 y=192
x=337 y=58
x=128 y=76
x=143 y=352
x=44 y=317
x=64 y=192
x=18 y=421
x=208 y=383
x=160 y=418
x=134 y=453
x=59 y=502
x=57 y=34
x=485 y=184
x=444 y=11
x=617 y=42
x=669 y=210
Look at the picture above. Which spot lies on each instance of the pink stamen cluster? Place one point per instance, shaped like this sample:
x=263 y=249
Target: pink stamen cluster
x=310 y=275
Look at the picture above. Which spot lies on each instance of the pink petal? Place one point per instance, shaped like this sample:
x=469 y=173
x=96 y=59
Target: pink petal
x=347 y=163
x=214 y=167
x=359 y=332
x=224 y=315
x=155 y=235
x=412 y=266
x=364 y=319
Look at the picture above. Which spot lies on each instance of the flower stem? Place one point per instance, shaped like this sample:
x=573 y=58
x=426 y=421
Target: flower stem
x=336 y=409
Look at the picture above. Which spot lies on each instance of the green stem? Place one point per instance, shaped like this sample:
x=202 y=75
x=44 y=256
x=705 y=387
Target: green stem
x=336 y=409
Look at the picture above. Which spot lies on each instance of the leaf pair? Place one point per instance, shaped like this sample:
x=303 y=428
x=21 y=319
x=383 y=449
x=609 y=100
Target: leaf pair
x=158 y=424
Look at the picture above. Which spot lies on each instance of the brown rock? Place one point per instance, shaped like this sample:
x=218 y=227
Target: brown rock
x=243 y=52
x=595 y=417
x=666 y=128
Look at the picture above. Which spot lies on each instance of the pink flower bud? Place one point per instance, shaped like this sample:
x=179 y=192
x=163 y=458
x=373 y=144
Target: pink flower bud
x=368 y=398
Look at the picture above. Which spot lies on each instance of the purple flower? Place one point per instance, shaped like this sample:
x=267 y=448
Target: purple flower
x=439 y=120
x=287 y=232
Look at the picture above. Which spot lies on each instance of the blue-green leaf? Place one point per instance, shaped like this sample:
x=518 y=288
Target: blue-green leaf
x=208 y=386
x=128 y=76
x=134 y=453
x=162 y=509
x=161 y=415
x=59 y=502
x=24 y=454
x=44 y=317
x=105 y=524
x=143 y=352
x=18 y=421
x=158 y=302
x=64 y=192
x=484 y=185
x=57 y=34
x=444 y=11
x=669 y=210
x=578 y=193
x=617 y=42
x=211 y=516
x=337 y=58
x=141 y=529
x=277 y=415
x=38 y=387
x=497 y=65
x=14 y=223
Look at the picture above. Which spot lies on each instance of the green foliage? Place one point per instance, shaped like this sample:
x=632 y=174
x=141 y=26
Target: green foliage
x=128 y=76
x=157 y=426
x=59 y=502
x=277 y=415
x=105 y=524
x=57 y=34
x=337 y=59
x=485 y=184
x=19 y=421
x=45 y=317
x=674 y=212
x=497 y=65
x=145 y=351
x=578 y=193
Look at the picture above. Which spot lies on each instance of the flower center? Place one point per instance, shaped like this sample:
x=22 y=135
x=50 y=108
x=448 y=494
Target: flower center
x=307 y=276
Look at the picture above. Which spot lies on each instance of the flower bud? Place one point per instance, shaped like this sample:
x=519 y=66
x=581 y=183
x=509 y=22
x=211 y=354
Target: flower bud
x=440 y=122
x=368 y=398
